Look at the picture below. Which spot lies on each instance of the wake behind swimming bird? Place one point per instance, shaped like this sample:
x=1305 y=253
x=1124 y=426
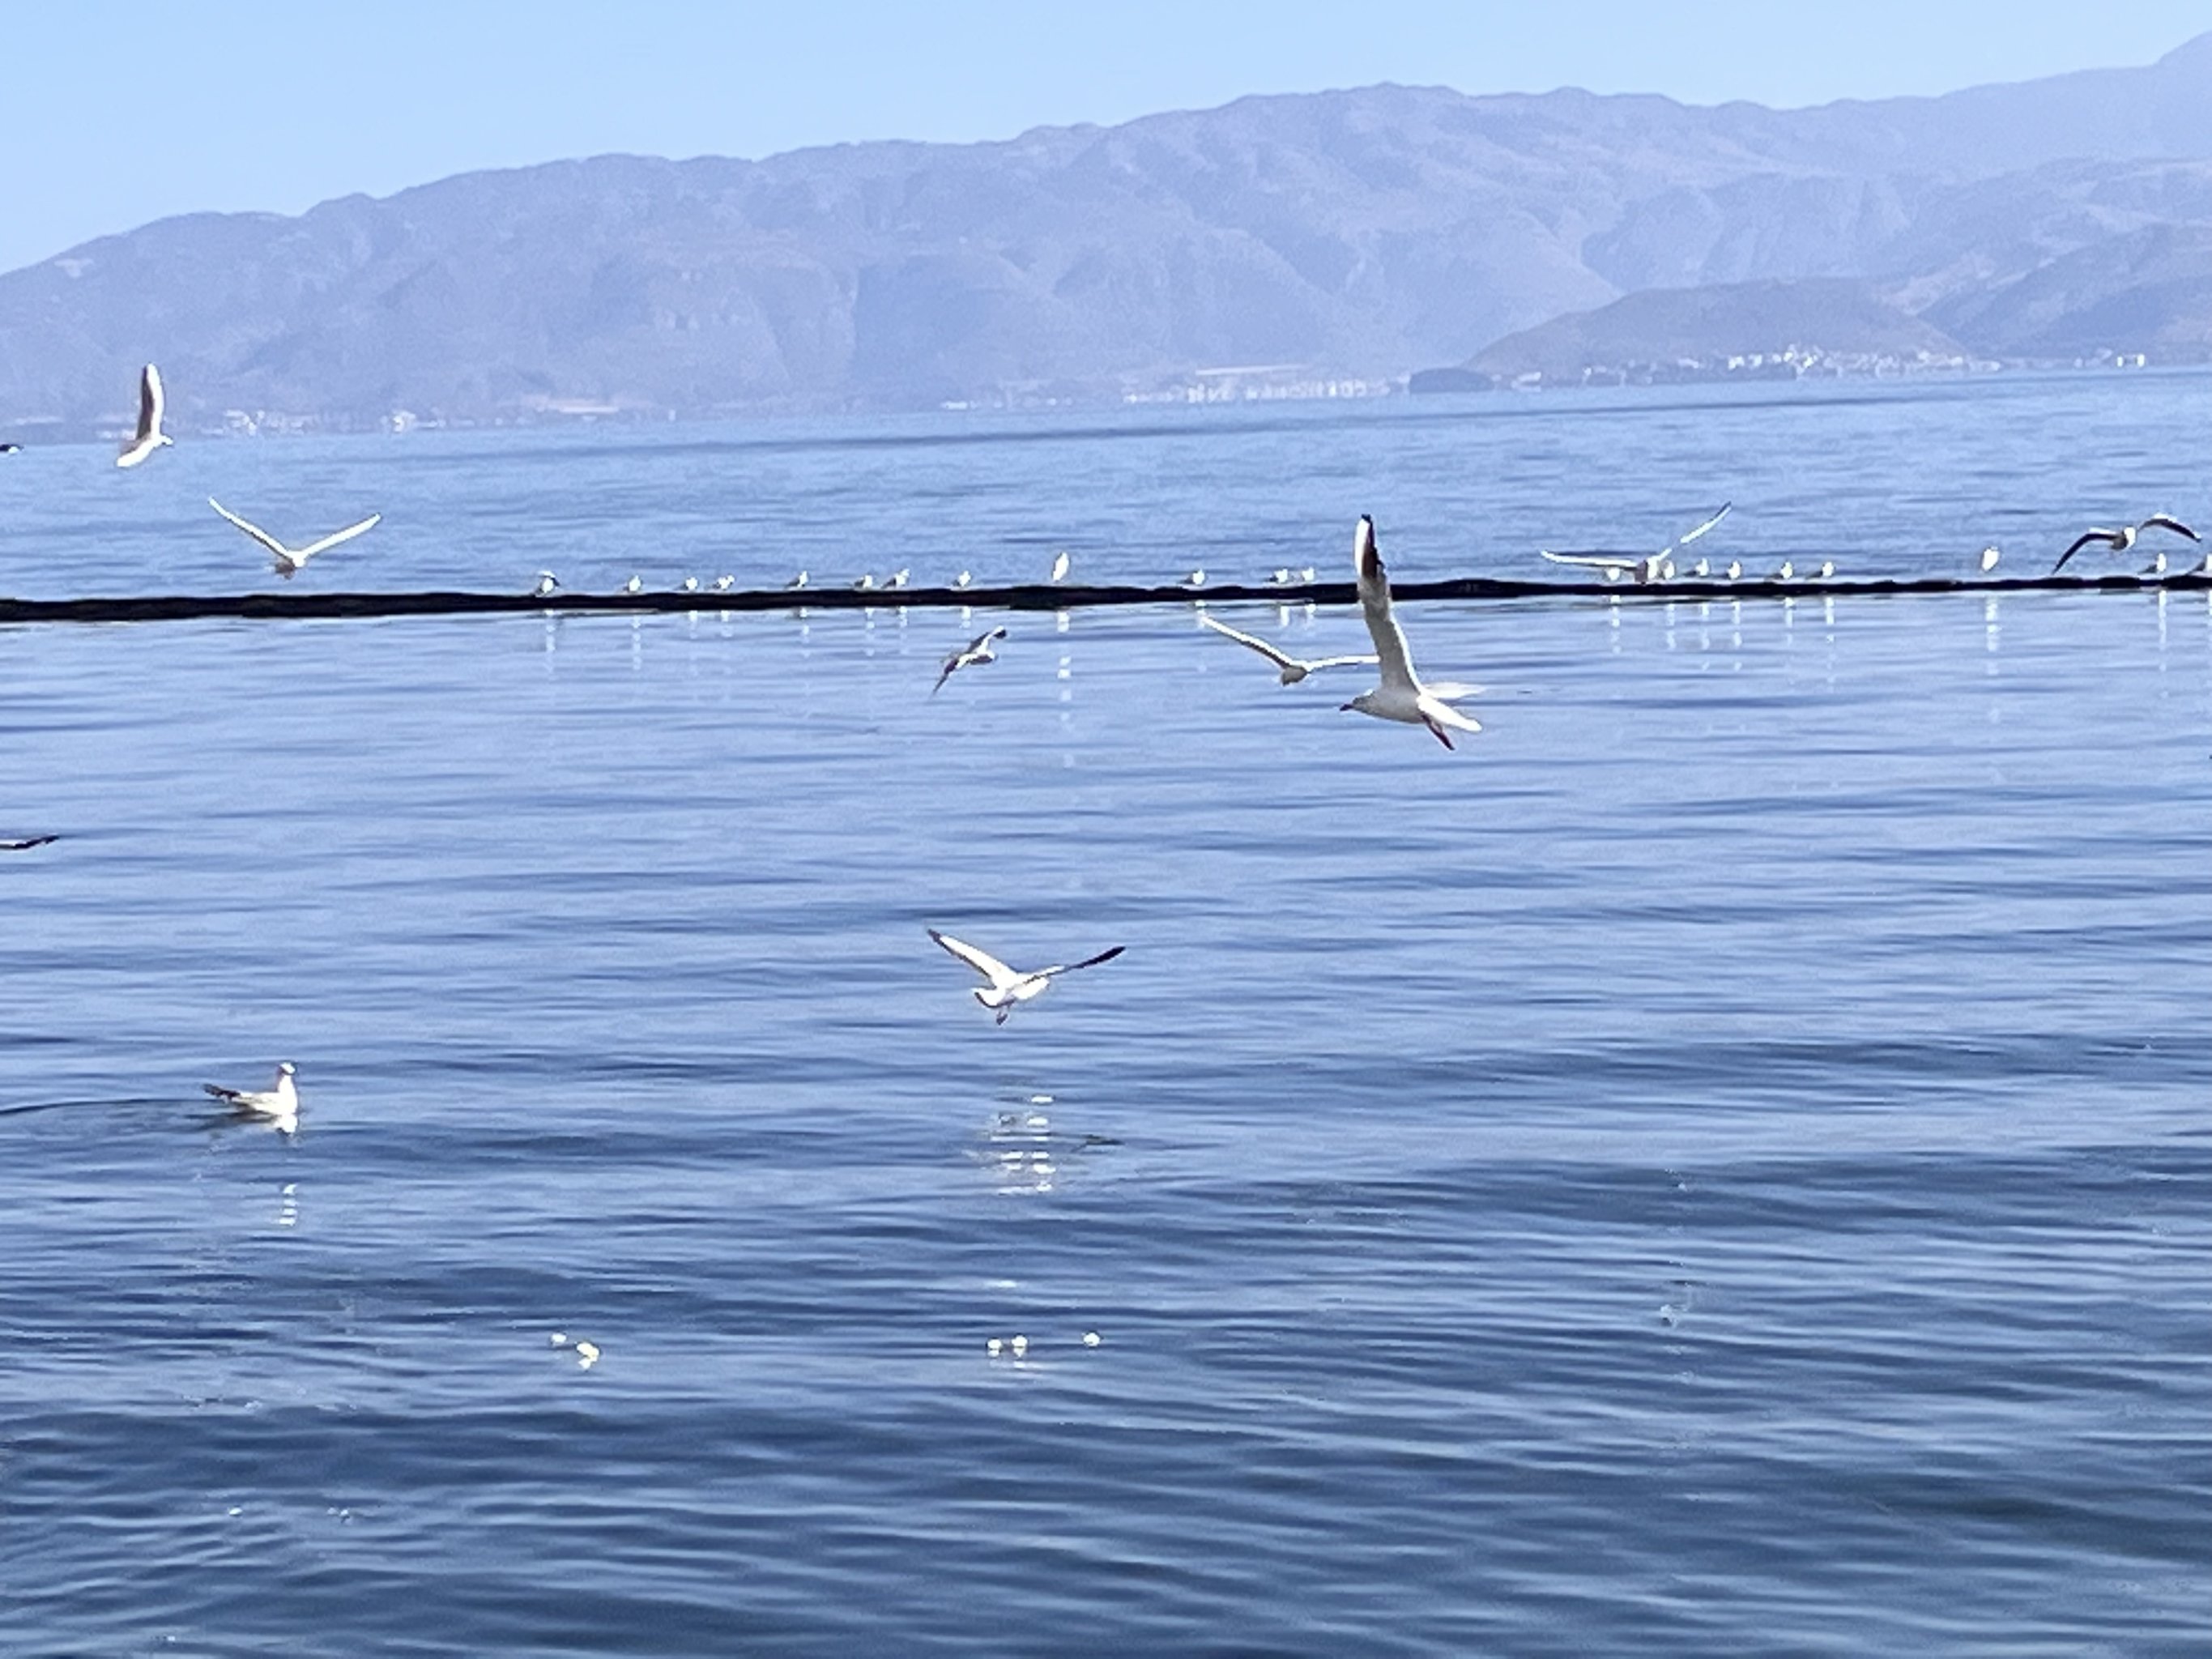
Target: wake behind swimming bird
x=977 y=651
x=148 y=437
x=279 y=1105
x=1400 y=696
x=1292 y=669
x=289 y=559
x=1009 y=988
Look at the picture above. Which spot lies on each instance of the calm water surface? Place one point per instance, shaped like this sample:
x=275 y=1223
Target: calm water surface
x=1719 y=1164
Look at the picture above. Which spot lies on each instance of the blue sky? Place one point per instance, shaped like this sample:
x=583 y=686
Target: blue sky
x=115 y=114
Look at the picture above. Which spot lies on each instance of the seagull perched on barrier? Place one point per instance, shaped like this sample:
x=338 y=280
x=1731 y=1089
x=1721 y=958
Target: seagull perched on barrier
x=1644 y=567
x=977 y=650
x=289 y=559
x=1009 y=986
x=1060 y=562
x=2122 y=539
x=1400 y=696
x=148 y=437
x=280 y=1104
x=547 y=582
x=1293 y=669
x=1989 y=557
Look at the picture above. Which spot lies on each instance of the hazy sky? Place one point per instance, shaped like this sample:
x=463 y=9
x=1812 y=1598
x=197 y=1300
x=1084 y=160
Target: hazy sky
x=114 y=114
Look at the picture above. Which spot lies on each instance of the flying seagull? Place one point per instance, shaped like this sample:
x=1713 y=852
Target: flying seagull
x=977 y=650
x=26 y=843
x=289 y=559
x=1293 y=669
x=2122 y=539
x=1400 y=696
x=149 y=437
x=1009 y=985
x=280 y=1105
x=1642 y=567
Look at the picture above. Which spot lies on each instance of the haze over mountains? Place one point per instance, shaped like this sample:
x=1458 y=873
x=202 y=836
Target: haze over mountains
x=1354 y=235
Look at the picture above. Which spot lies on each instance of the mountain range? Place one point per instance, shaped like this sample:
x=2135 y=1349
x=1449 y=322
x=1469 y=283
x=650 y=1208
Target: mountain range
x=1315 y=239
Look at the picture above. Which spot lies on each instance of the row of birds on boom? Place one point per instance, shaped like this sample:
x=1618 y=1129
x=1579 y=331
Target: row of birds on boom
x=1612 y=565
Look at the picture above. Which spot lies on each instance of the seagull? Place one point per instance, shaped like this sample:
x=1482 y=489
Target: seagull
x=691 y=583
x=1060 y=561
x=977 y=650
x=1644 y=567
x=547 y=581
x=799 y=580
x=1294 y=669
x=1280 y=578
x=962 y=580
x=1989 y=557
x=1009 y=986
x=280 y=1105
x=289 y=559
x=2122 y=539
x=865 y=580
x=897 y=578
x=1787 y=573
x=1827 y=570
x=149 y=437
x=724 y=584
x=1400 y=696
x=634 y=585
x=26 y=843
x=1196 y=579
x=1735 y=572
x=10 y=449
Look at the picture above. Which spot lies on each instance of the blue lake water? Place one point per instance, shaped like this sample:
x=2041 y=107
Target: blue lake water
x=1721 y=1163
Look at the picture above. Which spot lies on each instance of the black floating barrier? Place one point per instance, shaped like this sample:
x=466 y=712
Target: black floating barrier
x=181 y=607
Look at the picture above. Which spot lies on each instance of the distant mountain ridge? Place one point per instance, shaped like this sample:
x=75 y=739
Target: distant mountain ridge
x=1359 y=234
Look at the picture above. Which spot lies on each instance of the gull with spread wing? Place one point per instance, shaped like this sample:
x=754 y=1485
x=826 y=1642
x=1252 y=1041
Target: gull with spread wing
x=1292 y=669
x=977 y=650
x=149 y=437
x=1400 y=696
x=1010 y=987
x=2122 y=539
x=289 y=559
x=1642 y=567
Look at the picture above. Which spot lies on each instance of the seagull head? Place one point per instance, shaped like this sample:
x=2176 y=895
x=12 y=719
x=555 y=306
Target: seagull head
x=285 y=1068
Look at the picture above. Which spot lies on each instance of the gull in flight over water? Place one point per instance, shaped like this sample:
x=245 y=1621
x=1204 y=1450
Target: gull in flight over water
x=1642 y=567
x=1400 y=696
x=149 y=437
x=1292 y=669
x=977 y=650
x=280 y=1104
x=24 y=844
x=1009 y=986
x=289 y=559
x=2122 y=539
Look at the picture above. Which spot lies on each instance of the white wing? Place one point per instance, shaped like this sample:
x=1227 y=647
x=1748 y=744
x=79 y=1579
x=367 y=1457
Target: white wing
x=150 y=403
x=1315 y=665
x=1693 y=535
x=254 y=531
x=1280 y=658
x=332 y=540
x=1601 y=561
x=983 y=961
x=1390 y=652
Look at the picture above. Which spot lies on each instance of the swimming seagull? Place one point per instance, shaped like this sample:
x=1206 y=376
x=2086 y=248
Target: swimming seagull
x=1009 y=986
x=10 y=449
x=1059 y=564
x=1400 y=696
x=26 y=843
x=289 y=559
x=2122 y=539
x=977 y=650
x=149 y=437
x=1644 y=567
x=280 y=1105
x=1294 y=669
